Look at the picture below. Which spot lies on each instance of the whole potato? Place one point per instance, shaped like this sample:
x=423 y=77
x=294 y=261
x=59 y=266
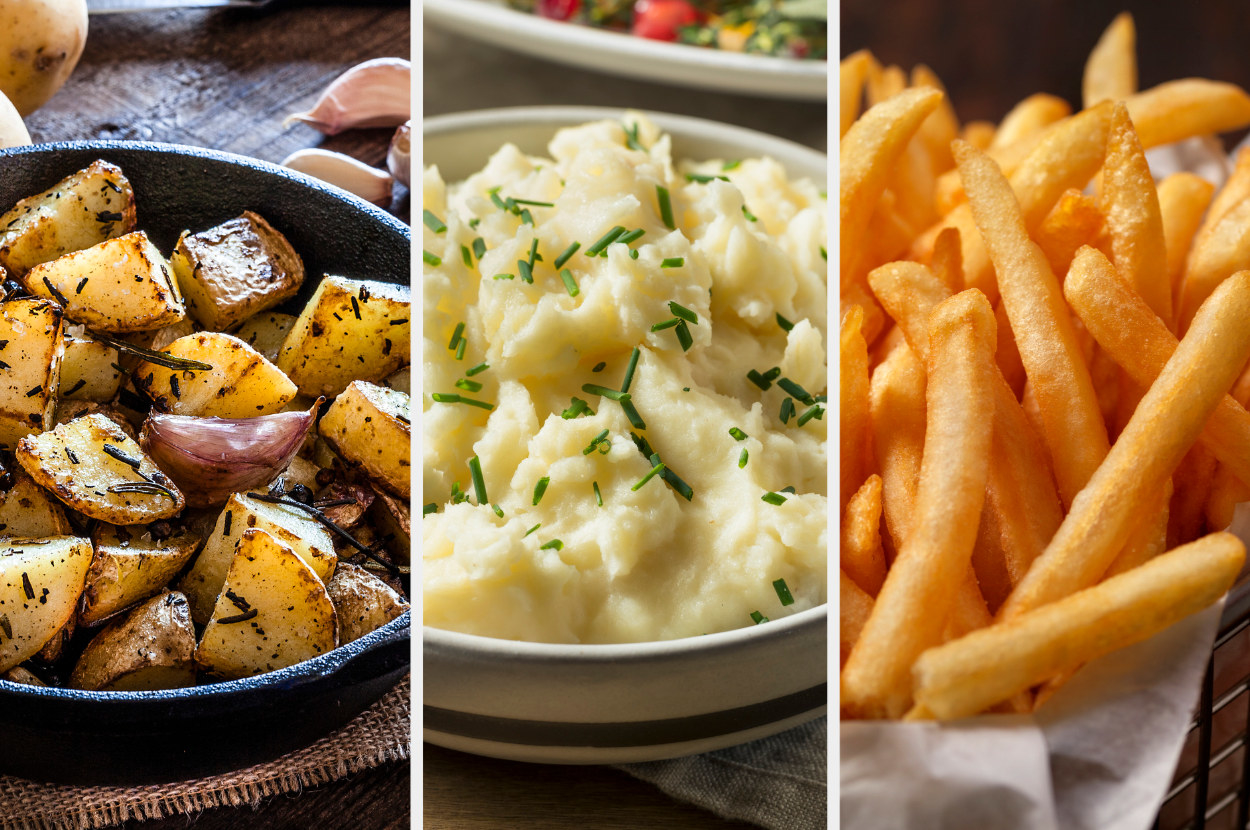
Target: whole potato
x=12 y=130
x=40 y=43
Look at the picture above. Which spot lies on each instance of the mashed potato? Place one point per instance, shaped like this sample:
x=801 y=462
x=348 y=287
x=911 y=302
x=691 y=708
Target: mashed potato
x=574 y=532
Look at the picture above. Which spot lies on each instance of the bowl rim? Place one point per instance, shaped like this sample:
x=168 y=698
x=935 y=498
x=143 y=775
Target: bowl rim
x=476 y=645
x=396 y=630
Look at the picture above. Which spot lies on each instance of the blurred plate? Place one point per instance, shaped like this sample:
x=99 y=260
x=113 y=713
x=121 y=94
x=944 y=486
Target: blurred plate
x=618 y=53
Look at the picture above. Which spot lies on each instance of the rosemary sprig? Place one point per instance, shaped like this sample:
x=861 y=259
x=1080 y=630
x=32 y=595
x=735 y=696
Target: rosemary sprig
x=165 y=359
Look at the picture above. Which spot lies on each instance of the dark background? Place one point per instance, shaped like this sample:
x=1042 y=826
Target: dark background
x=991 y=53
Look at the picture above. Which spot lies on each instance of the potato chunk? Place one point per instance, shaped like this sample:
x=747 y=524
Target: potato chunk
x=241 y=384
x=266 y=332
x=40 y=581
x=32 y=344
x=362 y=602
x=152 y=647
x=118 y=286
x=273 y=612
x=81 y=210
x=368 y=426
x=89 y=369
x=129 y=566
x=27 y=511
x=235 y=270
x=78 y=462
x=297 y=530
x=350 y=330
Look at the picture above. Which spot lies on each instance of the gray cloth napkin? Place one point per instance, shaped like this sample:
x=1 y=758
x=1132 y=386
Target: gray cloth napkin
x=780 y=783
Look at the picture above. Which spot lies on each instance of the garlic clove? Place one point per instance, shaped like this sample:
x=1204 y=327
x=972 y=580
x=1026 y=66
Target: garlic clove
x=369 y=183
x=399 y=156
x=376 y=93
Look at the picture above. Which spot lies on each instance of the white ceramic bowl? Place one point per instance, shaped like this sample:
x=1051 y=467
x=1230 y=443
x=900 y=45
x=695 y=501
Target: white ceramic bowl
x=617 y=703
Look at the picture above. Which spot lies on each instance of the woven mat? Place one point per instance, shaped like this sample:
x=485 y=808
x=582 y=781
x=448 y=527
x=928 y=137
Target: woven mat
x=380 y=734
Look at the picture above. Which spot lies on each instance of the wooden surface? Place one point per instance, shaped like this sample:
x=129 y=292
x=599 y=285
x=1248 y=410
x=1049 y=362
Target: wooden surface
x=464 y=792
x=226 y=80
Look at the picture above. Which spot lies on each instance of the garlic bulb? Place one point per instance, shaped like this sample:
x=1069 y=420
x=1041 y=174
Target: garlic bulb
x=211 y=458
x=376 y=93
x=399 y=156
x=369 y=183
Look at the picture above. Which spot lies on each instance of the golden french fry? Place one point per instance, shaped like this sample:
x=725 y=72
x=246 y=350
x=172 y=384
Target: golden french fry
x=854 y=606
x=970 y=611
x=969 y=675
x=1148 y=539
x=1111 y=69
x=915 y=603
x=863 y=558
x=884 y=82
x=1235 y=190
x=1217 y=252
x=942 y=126
x=1008 y=355
x=1075 y=221
x=1134 y=221
x=979 y=134
x=1167 y=422
x=1227 y=491
x=852 y=74
x=853 y=405
x=1067 y=157
x=947 y=261
x=1187 y=508
x=1029 y=119
x=1074 y=431
x=857 y=295
x=897 y=407
x=1183 y=199
x=1136 y=339
x=1176 y=110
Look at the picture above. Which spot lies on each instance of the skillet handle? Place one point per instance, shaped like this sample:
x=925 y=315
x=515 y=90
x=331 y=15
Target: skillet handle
x=393 y=653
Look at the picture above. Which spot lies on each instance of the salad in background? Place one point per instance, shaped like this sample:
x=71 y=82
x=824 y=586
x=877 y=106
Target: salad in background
x=784 y=28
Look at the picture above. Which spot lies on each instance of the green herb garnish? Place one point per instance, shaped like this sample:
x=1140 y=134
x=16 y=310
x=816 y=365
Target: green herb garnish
x=433 y=222
x=672 y=262
x=570 y=284
x=566 y=255
x=603 y=391
x=742 y=458
x=430 y=259
x=629 y=370
x=684 y=313
x=654 y=471
x=785 y=324
x=478 y=369
x=554 y=544
x=773 y=498
x=540 y=488
x=783 y=592
x=598 y=495
x=604 y=241
x=666 y=207
x=479 y=483
x=468 y=385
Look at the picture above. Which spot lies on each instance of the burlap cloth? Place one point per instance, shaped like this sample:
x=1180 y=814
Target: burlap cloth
x=380 y=734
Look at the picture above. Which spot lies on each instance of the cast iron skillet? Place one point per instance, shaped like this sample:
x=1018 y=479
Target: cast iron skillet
x=75 y=737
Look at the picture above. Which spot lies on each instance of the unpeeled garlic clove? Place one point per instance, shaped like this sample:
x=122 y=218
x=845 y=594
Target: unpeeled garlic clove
x=399 y=156
x=376 y=93
x=369 y=183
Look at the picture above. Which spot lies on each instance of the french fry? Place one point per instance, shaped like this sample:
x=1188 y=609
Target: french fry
x=1176 y=110
x=863 y=558
x=853 y=429
x=1218 y=251
x=971 y=674
x=947 y=261
x=979 y=134
x=884 y=82
x=1183 y=199
x=854 y=607
x=942 y=126
x=1148 y=539
x=1008 y=355
x=914 y=604
x=1029 y=119
x=1235 y=190
x=852 y=74
x=1167 y=422
x=897 y=407
x=1075 y=221
x=1111 y=69
x=1074 y=430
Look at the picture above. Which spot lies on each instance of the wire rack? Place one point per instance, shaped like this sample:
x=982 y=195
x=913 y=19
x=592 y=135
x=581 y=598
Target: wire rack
x=1211 y=790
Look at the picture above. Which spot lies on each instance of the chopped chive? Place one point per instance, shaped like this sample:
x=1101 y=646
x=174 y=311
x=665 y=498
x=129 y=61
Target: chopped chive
x=667 y=324
x=797 y=391
x=629 y=369
x=525 y=270
x=468 y=385
x=702 y=179
x=758 y=617
x=773 y=373
x=672 y=262
x=554 y=544
x=526 y=217
x=474 y=222
x=460 y=347
x=532 y=529
x=479 y=248
x=824 y=254
x=654 y=471
x=498 y=202
x=666 y=207
x=759 y=380
x=631 y=413
x=738 y=435
x=456 y=336
x=599 y=367
x=498 y=510
x=566 y=255
x=785 y=324
x=467 y=256
x=632 y=236
x=570 y=284
x=452 y=397
x=430 y=259
x=742 y=458
x=684 y=313
x=773 y=498
x=503 y=277
x=749 y=215
x=429 y=508
x=684 y=337
x=433 y=222
x=631 y=138
x=598 y=495
x=787 y=410
x=595 y=442
x=683 y=489
x=789 y=490
x=783 y=592
x=816 y=411
x=479 y=483
x=534 y=257
x=731 y=165
x=633 y=253
x=532 y=202
x=540 y=488
x=610 y=394
x=576 y=407
x=478 y=369
x=605 y=240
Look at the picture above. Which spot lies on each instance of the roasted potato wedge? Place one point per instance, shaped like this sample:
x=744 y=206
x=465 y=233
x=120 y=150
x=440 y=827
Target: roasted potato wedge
x=89 y=369
x=118 y=286
x=32 y=344
x=235 y=270
x=350 y=330
x=129 y=566
x=17 y=674
x=80 y=463
x=368 y=427
x=242 y=384
x=81 y=210
x=362 y=602
x=152 y=647
x=273 y=612
x=28 y=511
x=266 y=332
x=40 y=581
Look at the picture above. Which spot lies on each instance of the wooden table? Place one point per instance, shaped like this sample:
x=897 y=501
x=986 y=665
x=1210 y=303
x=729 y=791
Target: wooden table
x=226 y=80
x=463 y=791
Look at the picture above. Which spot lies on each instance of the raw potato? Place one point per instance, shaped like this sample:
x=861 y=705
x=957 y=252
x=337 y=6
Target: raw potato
x=31 y=347
x=273 y=612
x=40 y=581
x=368 y=426
x=81 y=210
x=40 y=44
x=129 y=567
x=27 y=511
x=88 y=371
x=72 y=463
x=235 y=270
x=150 y=648
x=362 y=602
x=12 y=129
x=266 y=332
x=242 y=384
x=350 y=330
x=118 y=286
x=296 y=530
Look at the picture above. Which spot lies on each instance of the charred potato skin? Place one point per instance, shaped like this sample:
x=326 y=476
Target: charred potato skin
x=367 y=426
x=151 y=647
x=241 y=384
x=82 y=210
x=32 y=346
x=362 y=602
